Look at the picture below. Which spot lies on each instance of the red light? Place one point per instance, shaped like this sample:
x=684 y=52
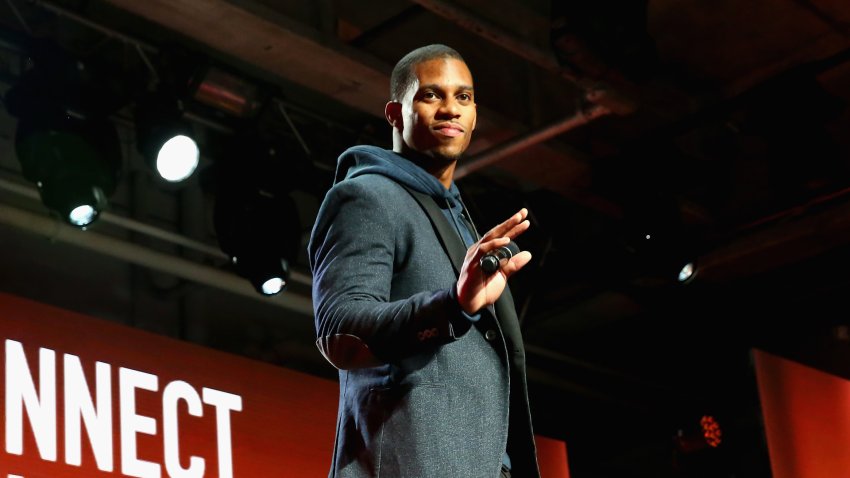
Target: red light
x=711 y=430
x=228 y=93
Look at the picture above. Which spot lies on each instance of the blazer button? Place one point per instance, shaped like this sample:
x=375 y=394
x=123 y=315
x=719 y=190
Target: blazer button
x=490 y=335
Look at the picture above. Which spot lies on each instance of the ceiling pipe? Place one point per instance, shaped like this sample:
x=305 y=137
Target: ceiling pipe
x=148 y=230
x=789 y=237
x=495 y=34
x=501 y=151
x=64 y=12
x=141 y=256
x=126 y=223
x=614 y=100
x=279 y=47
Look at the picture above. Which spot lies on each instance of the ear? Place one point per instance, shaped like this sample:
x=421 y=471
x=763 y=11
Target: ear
x=392 y=111
x=475 y=119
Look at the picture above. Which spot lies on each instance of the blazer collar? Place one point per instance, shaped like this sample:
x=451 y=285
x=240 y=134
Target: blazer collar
x=504 y=309
x=445 y=232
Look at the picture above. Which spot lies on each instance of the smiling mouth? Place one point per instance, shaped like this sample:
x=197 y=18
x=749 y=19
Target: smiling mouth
x=450 y=131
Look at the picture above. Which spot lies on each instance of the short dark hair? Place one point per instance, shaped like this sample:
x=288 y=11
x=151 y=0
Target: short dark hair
x=403 y=75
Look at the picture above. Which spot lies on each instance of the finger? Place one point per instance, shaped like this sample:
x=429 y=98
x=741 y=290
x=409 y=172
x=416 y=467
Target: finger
x=518 y=229
x=503 y=228
x=506 y=226
x=487 y=247
x=516 y=263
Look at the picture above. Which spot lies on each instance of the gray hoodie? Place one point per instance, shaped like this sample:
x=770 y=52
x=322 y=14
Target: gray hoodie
x=361 y=160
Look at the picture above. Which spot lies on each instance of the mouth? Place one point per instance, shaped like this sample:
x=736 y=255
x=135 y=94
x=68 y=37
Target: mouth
x=449 y=130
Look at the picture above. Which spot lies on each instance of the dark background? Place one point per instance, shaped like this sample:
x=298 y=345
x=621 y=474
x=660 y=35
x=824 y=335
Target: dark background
x=726 y=145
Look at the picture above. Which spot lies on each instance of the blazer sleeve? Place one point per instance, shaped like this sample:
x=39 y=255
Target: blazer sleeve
x=351 y=254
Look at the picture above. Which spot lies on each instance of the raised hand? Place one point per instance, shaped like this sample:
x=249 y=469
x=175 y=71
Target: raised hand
x=475 y=289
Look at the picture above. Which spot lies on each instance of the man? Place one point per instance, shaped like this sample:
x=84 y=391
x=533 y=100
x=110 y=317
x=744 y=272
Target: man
x=432 y=365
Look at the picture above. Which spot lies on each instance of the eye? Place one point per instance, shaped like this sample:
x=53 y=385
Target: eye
x=429 y=95
x=464 y=97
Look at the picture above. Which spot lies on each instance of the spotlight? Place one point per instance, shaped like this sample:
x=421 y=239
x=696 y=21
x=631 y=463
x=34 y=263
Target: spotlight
x=82 y=215
x=164 y=138
x=273 y=286
x=659 y=247
x=700 y=449
x=687 y=272
x=255 y=218
x=64 y=142
x=706 y=435
x=177 y=158
x=661 y=259
x=73 y=161
x=268 y=274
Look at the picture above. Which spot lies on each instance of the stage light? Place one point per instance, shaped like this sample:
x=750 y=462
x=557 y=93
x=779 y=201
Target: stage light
x=255 y=218
x=694 y=437
x=82 y=215
x=659 y=247
x=273 y=286
x=687 y=272
x=164 y=138
x=267 y=273
x=701 y=448
x=711 y=431
x=73 y=161
x=75 y=200
x=257 y=261
x=63 y=140
x=178 y=158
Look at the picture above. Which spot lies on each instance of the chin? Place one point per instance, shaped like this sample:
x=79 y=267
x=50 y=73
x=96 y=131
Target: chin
x=448 y=155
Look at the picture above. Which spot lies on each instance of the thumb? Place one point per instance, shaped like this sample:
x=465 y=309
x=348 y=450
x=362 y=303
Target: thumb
x=516 y=263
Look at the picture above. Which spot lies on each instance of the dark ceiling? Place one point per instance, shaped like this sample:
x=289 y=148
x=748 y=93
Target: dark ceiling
x=640 y=134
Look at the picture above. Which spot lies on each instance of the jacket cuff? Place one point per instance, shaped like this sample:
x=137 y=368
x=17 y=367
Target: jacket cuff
x=459 y=321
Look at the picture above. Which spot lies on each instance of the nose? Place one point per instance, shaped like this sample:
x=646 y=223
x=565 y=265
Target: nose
x=449 y=108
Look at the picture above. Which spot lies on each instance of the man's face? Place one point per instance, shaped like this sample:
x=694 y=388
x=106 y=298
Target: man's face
x=438 y=111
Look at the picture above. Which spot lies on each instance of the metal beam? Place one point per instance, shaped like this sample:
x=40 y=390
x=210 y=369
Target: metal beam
x=616 y=101
x=791 y=236
x=135 y=254
x=262 y=37
x=146 y=229
x=64 y=12
x=521 y=143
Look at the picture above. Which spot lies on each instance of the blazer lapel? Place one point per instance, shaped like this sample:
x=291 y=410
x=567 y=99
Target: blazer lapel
x=445 y=232
x=503 y=310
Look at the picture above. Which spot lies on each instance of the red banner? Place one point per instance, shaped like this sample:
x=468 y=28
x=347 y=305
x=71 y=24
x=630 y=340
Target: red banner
x=806 y=418
x=89 y=398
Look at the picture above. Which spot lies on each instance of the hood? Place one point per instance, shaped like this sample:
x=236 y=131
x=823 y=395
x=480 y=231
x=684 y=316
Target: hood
x=360 y=160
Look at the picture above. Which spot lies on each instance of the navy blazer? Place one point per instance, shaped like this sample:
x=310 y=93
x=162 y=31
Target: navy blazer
x=424 y=392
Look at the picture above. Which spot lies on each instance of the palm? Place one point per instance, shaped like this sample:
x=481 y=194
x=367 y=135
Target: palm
x=476 y=289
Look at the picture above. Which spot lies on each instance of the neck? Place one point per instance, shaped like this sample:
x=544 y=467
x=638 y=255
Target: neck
x=441 y=168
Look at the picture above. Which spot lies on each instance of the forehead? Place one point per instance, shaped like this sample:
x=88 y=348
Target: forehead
x=443 y=72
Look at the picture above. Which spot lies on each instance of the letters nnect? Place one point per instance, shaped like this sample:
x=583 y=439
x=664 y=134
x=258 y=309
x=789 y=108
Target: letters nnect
x=94 y=413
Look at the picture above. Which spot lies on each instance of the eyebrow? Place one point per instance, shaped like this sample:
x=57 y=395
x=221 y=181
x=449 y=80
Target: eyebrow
x=435 y=86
